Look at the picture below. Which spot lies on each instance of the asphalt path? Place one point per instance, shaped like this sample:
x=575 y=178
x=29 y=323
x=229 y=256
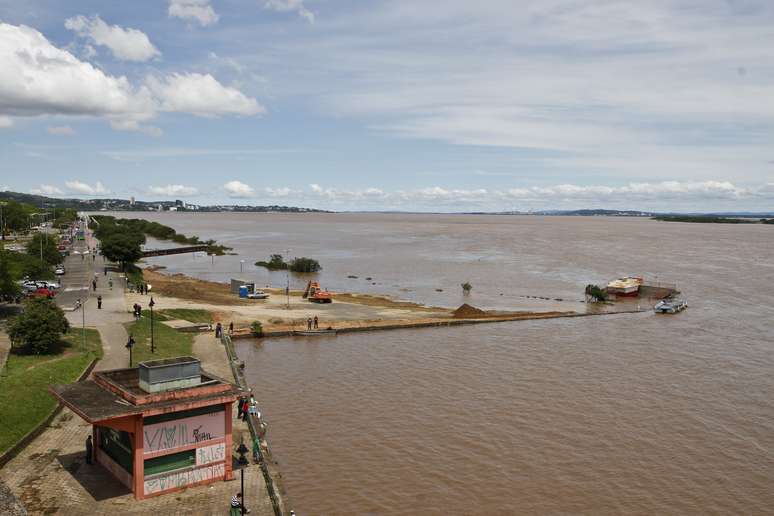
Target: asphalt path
x=79 y=272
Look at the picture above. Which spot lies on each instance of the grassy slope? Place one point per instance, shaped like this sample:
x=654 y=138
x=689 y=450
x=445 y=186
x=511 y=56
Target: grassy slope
x=193 y=315
x=24 y=398
x=168 y=342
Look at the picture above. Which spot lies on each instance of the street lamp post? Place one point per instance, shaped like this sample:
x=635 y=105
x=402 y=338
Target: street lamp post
x=130 y=346
x=83 y=323
x=151 y=304
x=287 y=280
x=241 y=264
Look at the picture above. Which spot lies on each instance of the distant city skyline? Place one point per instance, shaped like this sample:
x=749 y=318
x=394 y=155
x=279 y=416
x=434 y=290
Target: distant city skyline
x=392 y=105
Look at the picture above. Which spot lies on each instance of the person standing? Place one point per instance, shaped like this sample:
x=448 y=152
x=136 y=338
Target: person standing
x=316 y=321
x=309 y=323
x=99 y=302
x=245 y=410
x=218 y=331
x=240 y=406
x=94 y=284
x=89 y=450
x=231 y=328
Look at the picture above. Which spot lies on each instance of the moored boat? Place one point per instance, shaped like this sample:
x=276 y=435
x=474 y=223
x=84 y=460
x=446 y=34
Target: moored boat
x=670 y=306
x=629 y=286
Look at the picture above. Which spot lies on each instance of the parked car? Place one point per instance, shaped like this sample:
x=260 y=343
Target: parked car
x=43 y=292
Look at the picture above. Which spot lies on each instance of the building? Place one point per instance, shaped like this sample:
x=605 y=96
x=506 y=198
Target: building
x=159 y=427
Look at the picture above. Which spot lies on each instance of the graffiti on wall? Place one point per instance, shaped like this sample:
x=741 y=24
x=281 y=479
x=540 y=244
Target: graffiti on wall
x=210 y=454
x=184 y=478
x=182 y=432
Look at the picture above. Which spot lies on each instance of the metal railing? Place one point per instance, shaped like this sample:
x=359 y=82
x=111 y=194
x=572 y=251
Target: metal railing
x=271 y=487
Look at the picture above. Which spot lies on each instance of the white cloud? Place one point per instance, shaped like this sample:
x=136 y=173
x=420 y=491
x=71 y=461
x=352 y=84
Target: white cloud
x=202 y=95
x=46 y=190
x=290 y=5
x=238 y=189
x=81 y=188
x=63 y=130
x=193 y=10
x=125 y=44
x=5 y=122
x=41 y=79
x=278 y=192
x=173 y=190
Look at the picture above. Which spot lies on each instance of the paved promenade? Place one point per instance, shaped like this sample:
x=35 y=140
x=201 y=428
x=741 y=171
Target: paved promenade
x=50 y=475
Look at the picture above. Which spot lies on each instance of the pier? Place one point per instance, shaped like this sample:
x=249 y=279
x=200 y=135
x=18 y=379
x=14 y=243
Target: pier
x=174 y=250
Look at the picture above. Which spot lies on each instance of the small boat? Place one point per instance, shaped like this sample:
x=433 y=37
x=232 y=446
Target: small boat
x=314 y=333
x=670 y=306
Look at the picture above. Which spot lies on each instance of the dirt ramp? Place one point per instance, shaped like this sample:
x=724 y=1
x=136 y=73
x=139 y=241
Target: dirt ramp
x=466 y=312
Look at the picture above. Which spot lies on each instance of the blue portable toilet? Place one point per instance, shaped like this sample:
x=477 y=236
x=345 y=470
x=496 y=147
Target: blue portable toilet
x=244 y=290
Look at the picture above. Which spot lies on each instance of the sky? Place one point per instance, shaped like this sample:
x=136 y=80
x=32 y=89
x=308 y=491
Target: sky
x=412 y=105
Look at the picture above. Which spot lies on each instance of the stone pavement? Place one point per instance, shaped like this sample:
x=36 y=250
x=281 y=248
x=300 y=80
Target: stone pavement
x=50 y=475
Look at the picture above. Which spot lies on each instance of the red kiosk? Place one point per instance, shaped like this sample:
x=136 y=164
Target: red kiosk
x=158 y=427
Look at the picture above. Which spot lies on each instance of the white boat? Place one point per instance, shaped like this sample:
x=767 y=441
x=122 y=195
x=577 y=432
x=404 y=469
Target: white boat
x=670 y=306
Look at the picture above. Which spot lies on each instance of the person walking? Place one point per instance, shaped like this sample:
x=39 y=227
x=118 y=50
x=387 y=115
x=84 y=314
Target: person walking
x=110 y=283
x=316 y=321
x=237 y=505
x=94 y=284
x=240 y=405
x=309 y=323
x=231 y=328
x=104 y=270
x=245 y=410
x=89 y=450
x=218 y=331
x=99 y=302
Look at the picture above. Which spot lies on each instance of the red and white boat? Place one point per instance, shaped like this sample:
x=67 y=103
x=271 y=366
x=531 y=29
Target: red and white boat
x=627 y=287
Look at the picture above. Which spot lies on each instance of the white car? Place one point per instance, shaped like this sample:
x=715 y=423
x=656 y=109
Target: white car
x=59 y=270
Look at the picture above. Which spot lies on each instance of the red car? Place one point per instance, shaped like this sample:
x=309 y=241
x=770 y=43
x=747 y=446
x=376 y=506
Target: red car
x=43 y=292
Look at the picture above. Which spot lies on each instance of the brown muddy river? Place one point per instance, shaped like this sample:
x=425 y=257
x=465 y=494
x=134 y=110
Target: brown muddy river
x=636 y=414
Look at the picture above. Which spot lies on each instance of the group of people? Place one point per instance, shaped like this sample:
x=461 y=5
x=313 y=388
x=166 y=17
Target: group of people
x=137 y=311
x=247 y=407
x=219 y=329
x=142 y=288
x=312 y=323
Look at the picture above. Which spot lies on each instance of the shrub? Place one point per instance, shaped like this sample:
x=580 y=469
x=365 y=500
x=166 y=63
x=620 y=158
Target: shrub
x=596 y=293
x=257 y=328
x=305 y=265
x=40 y=326
x=275 y=263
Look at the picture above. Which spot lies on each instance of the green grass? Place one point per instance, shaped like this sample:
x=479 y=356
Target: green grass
x=168 y=342
x=24 y=398
x=193 y=315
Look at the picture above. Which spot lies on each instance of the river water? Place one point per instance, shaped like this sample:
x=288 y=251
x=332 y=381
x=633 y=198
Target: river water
x=634 y=413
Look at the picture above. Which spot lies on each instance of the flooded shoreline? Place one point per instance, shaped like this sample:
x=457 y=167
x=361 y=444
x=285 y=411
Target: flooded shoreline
x=635 y=413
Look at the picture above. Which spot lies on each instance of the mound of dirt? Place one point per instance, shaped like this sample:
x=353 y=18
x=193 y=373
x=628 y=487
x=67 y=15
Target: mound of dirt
x=466 y=312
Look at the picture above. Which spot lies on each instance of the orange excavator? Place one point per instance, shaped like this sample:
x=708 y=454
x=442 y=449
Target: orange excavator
x=316 y=294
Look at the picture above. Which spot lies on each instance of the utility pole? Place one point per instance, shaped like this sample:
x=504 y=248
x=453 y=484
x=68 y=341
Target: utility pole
x=287 y=279
x=83 y=324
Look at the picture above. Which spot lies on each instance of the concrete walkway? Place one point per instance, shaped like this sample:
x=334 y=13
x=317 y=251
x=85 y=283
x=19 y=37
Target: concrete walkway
x=5 y=347
x=50 y=475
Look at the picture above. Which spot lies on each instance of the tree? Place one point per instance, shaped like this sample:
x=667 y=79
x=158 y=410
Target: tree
x=40 y=326
x=46 y=244
x=466 y=287
x=8 y=287
x=305 y=265
x=15 y=216
x=122 y=247
x=275 y=263
x=595 y=293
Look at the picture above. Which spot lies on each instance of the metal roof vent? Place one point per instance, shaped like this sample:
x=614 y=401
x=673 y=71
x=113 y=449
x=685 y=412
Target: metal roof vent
x=170 y=373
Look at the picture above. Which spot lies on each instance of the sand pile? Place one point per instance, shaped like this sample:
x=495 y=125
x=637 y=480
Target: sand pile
x=466 y=312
